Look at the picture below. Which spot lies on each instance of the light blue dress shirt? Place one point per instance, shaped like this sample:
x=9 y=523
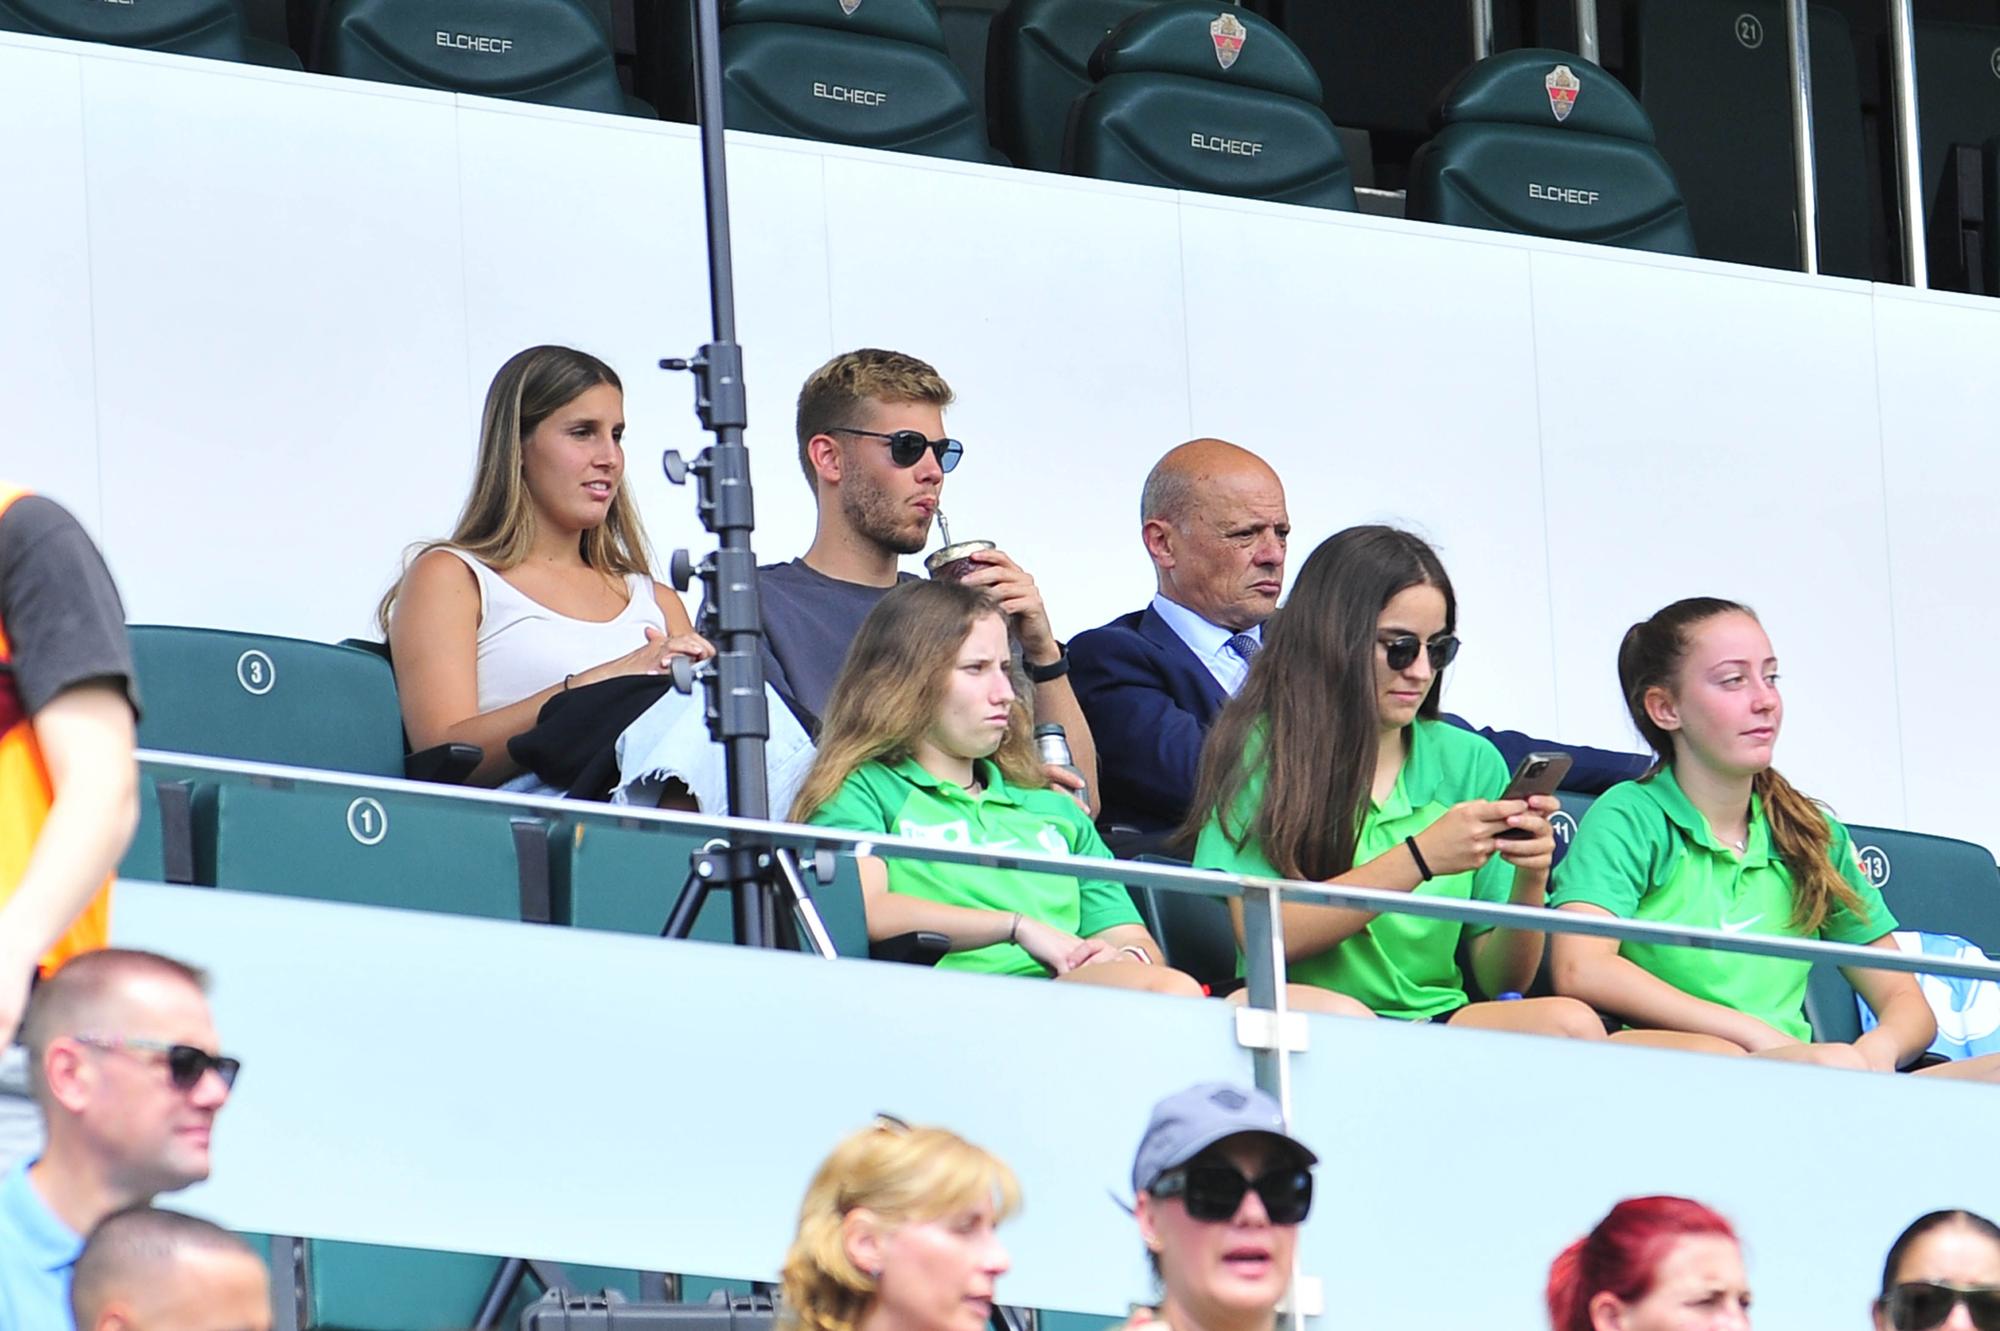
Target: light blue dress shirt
x=1209 y=642
x=37 y=1254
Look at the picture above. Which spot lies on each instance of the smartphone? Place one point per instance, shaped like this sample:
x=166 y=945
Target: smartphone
x=1538 y=774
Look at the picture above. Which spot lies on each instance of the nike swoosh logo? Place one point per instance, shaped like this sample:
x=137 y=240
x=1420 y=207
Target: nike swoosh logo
x=1738 y=926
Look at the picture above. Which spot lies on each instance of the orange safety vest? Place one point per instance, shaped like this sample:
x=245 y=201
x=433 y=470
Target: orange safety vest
x=25 y=797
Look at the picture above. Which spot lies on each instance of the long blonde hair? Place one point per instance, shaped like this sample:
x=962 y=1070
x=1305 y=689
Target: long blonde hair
x=893 y=683
x=901 y=1173
x=497 y=525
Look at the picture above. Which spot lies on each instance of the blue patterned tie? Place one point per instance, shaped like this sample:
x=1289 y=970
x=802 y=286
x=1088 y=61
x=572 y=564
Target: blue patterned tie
x=1244 y=646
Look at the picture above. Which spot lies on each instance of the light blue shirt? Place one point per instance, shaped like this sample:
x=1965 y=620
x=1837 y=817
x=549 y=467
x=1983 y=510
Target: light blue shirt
x=37 y=1254
x=1209 y=642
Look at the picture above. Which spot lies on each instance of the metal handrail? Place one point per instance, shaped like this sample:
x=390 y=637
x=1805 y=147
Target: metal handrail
x=1254 y=889
x=1909 y=162
x=1805 y=167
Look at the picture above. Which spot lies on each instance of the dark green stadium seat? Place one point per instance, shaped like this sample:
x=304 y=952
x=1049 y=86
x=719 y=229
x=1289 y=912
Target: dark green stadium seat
x=1958 y=103
x=1522 y=146
x=878 y=77
x=372 y=848
x=217 y=29
x=1715 y=80
x=1194 y=932
x=1932 y=884
x=967 y=26
x=550 y=52
x=1383 y=62
x=1567 y=819
x=266 y=699
x=623 y=875
x=1038 y=64
x=1192 y=96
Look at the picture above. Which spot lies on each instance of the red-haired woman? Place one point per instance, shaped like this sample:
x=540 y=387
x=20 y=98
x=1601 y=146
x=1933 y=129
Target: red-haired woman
x=1653 y=1264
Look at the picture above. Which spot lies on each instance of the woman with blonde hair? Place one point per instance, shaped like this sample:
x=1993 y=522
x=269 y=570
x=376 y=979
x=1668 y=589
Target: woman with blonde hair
x=927 y=737
x=544 y=584
x=898 y=1232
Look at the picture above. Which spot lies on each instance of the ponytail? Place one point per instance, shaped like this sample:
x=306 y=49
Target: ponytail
x=1569 y=1309
x=1802 y=839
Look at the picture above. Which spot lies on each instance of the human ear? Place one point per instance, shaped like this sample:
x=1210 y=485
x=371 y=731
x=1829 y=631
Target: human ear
x=861 y=1239
x=1149 y=1232
x=823 y=451
x=1607 y=1312
x=1661 y=708
x=63 y=1074
x=1158 y=535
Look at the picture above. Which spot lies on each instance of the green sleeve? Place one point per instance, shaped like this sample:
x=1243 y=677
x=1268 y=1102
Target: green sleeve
x=1843 y=925
x=1103 y=903
x=857 y=806
x=1617 y=855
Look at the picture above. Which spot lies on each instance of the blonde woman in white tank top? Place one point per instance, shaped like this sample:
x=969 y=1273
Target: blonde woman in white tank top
x=544 y=584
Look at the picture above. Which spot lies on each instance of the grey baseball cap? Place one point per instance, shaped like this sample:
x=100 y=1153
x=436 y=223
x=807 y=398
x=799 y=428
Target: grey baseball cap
x=1188 y=1122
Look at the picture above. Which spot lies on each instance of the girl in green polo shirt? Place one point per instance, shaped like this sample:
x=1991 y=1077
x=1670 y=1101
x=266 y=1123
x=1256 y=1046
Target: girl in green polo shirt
x=1331 y=764
x=927 y=737
x=1715 y=837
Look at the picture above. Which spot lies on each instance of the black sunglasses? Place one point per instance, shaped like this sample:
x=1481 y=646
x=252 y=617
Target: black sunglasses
x=1923 y=1304
x=185 y=1063
x=906 y=446
x=1402 y=650
x=1214 y=1192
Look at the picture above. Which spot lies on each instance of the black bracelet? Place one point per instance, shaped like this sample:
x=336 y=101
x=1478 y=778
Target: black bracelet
x=1423 y=869
x=1053 y=671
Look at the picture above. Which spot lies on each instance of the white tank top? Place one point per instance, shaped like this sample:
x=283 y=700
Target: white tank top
x=524 y=646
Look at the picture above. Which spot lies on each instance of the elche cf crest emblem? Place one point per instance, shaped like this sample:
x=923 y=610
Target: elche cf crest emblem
x=849 y=6
x=1563 y=88
x=1229 y=34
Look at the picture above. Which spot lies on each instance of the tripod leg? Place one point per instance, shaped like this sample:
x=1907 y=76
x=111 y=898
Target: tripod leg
x=687 y=906
x=498 y=1294
x=804 y=910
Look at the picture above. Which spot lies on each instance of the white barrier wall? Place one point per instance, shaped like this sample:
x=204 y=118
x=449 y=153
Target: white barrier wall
x=248 y=317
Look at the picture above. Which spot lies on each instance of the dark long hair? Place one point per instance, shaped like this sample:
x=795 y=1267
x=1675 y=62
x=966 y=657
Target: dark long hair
x=1922 y=1225
x=1309 y=706
x=1650 y=657
x=1622 y=1255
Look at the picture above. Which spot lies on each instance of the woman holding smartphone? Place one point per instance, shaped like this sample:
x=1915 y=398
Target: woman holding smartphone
x=1715 y=837
x=1331 y=764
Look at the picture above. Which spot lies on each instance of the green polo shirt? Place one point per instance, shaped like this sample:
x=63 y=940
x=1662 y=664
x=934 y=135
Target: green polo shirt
x=902 y=799
x=1400 y=965
x=1645 y=852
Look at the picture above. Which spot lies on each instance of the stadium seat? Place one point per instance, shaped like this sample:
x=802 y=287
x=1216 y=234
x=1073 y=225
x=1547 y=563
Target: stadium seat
x=217 y=29
x=377 y=848
x=876 y=77
x=551 y=52
x=967 y=26
x=1958 y=103
x=1568 y=818
x=1194 y=932
x=1544 y=143
x=1715 y=78
x=1932 y=884
x=624 y=875
x=1038 y=64
x=1383 y=62
x=1190 y=96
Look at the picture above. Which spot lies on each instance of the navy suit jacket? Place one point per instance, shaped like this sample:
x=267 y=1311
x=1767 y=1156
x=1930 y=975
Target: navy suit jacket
x=1149 y=701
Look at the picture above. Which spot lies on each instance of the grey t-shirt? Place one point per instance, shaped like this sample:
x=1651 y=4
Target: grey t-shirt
x=809 y=623
x=64 y=623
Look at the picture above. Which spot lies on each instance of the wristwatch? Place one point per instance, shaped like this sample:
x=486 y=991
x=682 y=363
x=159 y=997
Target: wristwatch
x=1054 y=670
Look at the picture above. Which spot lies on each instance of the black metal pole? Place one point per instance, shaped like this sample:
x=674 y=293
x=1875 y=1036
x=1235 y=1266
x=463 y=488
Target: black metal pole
x=738 y=718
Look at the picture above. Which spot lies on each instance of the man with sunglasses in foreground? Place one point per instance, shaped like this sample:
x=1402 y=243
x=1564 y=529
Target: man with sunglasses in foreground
x=873 y=449
x=1213 y=520
x=1221 y=1188
x=125 y=1065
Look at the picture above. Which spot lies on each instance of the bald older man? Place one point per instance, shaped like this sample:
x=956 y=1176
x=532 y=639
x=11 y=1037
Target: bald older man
x=153 y=1270
x=1213 y=519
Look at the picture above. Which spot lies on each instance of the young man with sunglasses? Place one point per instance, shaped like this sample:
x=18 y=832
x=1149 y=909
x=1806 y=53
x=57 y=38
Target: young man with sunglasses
x=872 y=446
x=1213 y=520
x=1221 y=1188
x=125 y=1065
